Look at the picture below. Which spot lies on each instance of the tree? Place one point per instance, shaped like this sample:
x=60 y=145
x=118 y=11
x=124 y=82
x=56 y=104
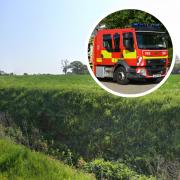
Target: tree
x=77 y=67
x=125 y=18
x=2 y=72
x=64 y=65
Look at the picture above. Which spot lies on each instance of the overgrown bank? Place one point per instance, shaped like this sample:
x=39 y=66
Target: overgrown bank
x=96 y=125
x=17 y=162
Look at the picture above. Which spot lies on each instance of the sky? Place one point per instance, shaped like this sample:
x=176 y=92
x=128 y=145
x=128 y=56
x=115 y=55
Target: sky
x=35 y=35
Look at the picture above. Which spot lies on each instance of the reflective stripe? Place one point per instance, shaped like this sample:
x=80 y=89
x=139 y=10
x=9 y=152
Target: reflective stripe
x=114 y=60
x=140 y=61
x=98 y=59
x=106 y=54
x=158 y=57
x=128 y=54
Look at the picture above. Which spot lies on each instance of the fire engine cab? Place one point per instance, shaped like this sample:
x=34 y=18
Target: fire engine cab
x=137 y=52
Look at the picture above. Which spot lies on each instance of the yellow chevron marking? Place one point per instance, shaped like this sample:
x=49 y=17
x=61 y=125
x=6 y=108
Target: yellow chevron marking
x=98 y=59
x=106 y=54
x=128 y=54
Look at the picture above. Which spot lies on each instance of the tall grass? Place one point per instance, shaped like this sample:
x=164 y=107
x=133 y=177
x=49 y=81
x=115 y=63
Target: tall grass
x=18 y=162
x=48 y=82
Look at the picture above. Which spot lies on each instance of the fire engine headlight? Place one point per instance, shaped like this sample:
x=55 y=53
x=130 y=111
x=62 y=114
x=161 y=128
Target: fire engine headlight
x=143 y=72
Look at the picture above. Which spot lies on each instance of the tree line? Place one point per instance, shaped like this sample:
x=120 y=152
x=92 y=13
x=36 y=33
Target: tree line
x=74 y=67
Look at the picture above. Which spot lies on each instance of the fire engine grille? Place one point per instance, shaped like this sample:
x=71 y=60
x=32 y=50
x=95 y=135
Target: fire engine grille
x=156 y=66
x=156 y=62
x=153 y=71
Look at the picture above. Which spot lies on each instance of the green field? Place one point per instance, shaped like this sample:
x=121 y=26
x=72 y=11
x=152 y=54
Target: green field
x=75 y=114
x=53 y=82
x=18 y=162
x=68 y=82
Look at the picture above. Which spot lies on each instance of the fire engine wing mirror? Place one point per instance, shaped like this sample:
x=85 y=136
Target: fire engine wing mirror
x=128 y=44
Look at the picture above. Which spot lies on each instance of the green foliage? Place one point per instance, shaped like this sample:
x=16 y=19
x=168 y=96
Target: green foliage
x=12 y=133
x=112 y=170
x=49 y=82
x=77 y=67
x=67 y=157
x=17 y=162
x=77 y=115
x=125 y=18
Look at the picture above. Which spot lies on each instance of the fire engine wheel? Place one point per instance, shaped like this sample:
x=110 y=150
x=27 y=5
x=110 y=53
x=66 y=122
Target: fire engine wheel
x=121 y=76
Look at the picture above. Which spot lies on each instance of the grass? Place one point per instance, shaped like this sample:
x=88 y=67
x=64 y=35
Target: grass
x=71 y=82
x=48 y=82
x=18 y=162
x=173 y=83
x=154 y=117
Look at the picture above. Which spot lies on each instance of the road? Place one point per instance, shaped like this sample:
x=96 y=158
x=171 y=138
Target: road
x=134 y=87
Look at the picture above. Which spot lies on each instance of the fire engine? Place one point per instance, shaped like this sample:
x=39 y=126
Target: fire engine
x=136 y=52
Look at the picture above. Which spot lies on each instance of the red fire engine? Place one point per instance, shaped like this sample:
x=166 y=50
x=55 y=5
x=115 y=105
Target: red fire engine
x=138 y=52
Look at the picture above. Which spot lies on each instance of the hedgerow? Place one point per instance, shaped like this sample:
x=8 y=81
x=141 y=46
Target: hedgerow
x=94 y=124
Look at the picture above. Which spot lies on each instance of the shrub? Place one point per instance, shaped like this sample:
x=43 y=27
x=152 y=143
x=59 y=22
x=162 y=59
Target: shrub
x=112 y=170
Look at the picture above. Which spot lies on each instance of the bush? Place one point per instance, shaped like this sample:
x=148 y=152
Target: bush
x=13 y=133
x=112 y=170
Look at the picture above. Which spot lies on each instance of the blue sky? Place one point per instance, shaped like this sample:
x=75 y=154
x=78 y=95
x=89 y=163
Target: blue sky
x=36 y=34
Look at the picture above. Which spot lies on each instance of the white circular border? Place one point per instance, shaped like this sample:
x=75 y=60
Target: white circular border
x=117 y=93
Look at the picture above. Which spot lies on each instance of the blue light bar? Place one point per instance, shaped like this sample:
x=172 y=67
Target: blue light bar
x=146 y=26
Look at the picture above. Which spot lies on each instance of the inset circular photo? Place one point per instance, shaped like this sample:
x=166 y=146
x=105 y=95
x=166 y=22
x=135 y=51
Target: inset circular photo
x=130 y=53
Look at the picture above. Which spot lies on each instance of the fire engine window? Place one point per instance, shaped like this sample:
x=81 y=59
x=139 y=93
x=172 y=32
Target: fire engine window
x=116 y=42
x=107 y=42
x=128 y=41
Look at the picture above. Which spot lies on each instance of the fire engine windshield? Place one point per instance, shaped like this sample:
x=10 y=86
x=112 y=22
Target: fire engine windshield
x=151 y=40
